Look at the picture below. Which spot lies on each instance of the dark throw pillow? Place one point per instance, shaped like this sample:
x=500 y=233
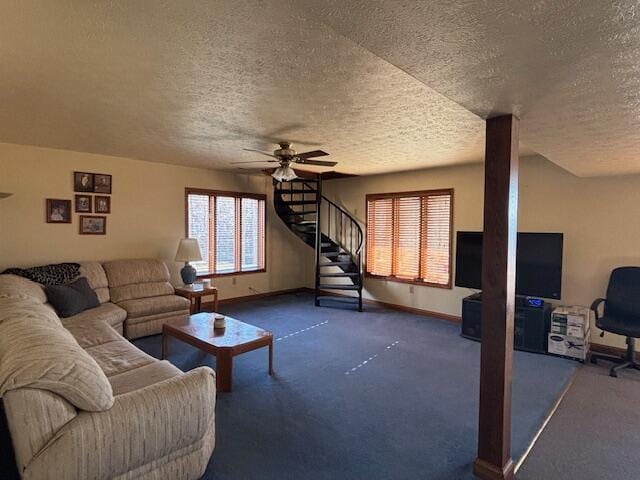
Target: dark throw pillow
x=72 y=298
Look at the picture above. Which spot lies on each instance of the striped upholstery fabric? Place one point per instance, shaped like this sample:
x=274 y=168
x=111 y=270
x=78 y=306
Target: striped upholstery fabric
x=97 y=278
x=19 y=288
x=108 y=313
x=84 y=403
x=29 y=407
x=142 y=288
x=37 y=352
x=130 y=279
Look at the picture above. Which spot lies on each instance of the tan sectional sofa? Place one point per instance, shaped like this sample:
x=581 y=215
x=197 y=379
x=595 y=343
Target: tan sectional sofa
x=82 y=402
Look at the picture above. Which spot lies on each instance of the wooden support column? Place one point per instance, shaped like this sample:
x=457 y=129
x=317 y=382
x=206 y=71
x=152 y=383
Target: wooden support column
x=498 y=298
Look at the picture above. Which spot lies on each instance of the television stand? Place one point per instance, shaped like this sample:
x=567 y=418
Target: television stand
x=531 y=324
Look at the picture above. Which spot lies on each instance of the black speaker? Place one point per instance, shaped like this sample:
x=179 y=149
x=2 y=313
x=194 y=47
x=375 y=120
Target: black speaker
x=531 y=324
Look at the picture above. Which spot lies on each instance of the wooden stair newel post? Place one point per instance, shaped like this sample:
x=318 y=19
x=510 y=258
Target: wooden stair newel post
x=498 y=298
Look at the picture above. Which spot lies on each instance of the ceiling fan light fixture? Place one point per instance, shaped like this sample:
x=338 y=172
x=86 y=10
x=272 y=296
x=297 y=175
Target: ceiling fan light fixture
x=284 y=174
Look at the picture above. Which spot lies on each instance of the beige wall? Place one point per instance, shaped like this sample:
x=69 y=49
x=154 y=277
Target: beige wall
x=600 y=218
x=147 y=218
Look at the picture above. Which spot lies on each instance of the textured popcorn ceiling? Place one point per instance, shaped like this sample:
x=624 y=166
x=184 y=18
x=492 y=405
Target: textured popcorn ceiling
x=569 y=68
x=194 y=82
x=383 y=85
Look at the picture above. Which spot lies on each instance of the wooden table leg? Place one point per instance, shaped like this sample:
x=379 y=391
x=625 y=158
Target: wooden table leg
x=215 y=301
x=271 y=357
x=198 y=304
x=224 y=370
x=165 y=345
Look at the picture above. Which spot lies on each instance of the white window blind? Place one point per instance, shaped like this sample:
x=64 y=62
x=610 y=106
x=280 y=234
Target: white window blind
x=409 y=236
x=230 y=229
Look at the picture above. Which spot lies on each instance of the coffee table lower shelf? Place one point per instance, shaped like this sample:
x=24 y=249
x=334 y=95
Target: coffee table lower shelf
x=236 y=338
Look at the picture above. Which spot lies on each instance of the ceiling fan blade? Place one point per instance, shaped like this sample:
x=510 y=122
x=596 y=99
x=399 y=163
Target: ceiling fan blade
x=321 y=163
x=260 y=152
x=313 y=153
x=255 y=161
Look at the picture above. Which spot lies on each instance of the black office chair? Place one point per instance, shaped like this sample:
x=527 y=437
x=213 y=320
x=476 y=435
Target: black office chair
x=621 y=315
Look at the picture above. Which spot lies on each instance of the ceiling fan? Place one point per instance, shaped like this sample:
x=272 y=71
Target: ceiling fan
x=285 y=156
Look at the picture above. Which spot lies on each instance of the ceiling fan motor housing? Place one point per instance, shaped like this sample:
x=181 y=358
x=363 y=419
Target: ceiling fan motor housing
x=285 y=151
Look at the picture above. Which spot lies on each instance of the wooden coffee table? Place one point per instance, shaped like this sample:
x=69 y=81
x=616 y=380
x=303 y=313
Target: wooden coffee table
x=236 y=338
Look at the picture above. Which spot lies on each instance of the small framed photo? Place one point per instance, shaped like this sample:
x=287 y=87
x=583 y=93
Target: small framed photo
x=101 y=183
x=58 y=211
x=83 y=204
x=82 y=182
x=102 y=204
x=93 y=225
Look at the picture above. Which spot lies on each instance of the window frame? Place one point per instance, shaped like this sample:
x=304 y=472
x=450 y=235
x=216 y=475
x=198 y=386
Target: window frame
x=415 y=193
x=224 y=193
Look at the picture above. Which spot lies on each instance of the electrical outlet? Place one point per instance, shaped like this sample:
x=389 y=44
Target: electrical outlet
x=233 y=280
x=411 y=288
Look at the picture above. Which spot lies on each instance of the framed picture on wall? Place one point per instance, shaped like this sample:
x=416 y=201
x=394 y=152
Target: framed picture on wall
x=102 y=183
x=82 y=182
x=102 y=204
x=58 y=211
x=93 y=225
x=83 y=204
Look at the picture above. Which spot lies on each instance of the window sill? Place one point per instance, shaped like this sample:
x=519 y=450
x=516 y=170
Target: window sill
x=230 y=274
x=446 y=286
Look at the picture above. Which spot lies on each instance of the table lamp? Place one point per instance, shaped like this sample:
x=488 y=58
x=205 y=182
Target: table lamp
x=188 y=251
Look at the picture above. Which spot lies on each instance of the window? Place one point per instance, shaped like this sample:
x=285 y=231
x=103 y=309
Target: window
x=230 y=229
x=409 y=237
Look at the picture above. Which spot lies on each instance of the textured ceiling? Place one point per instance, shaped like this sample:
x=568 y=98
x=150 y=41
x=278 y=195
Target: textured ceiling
x=159 y=81
x=569 y=68
x=383 y=85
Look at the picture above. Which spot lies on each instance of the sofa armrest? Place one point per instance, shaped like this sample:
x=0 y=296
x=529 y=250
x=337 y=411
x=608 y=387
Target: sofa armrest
x=142 y=426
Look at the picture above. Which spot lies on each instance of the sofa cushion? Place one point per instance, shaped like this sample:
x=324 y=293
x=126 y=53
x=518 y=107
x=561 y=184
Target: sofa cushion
x=73 y=298
x=39 y=353
x=154 y=305
x=107 y=312
x=97 y=278
x=91 y=333
x=119 y=356
x=132 y=279
x=142 y=377
x=19 y=288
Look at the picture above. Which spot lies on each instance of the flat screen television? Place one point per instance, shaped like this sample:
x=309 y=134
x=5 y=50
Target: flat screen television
x=538 y=263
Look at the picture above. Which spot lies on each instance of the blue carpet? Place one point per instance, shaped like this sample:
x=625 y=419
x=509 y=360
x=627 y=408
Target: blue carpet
x=408 y=412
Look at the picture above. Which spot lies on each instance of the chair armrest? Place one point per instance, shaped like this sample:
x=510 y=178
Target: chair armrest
x=142 y=426
x=594 y=306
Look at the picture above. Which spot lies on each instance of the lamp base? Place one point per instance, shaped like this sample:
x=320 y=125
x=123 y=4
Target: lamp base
x=188 y=274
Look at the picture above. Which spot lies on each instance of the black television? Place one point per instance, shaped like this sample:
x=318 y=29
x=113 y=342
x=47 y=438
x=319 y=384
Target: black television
x=538 y=263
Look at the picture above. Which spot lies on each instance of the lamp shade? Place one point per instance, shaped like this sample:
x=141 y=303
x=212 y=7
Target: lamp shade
x=284 y=174
x=188 y=251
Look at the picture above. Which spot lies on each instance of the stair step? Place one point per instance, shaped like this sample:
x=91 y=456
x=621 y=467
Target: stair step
x=340 y=274
x=299 y=202
x=310 y=229
x=336 y=264
x=338 y=299
x=295 y=190
x=333 y=254
x=336 y=286
x=299 y=213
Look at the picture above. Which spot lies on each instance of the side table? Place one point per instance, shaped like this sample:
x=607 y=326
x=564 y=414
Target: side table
x=195 y=292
